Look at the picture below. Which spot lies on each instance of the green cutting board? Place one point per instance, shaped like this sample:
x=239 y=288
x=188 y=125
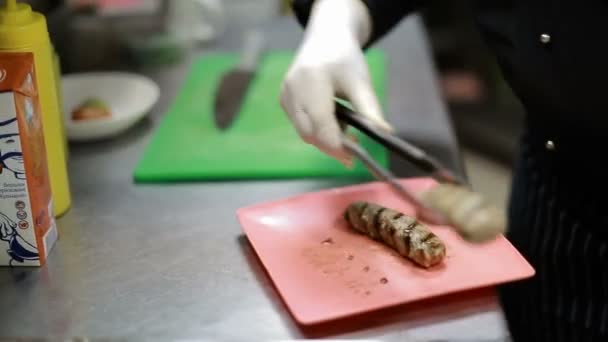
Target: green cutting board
x=260 y=144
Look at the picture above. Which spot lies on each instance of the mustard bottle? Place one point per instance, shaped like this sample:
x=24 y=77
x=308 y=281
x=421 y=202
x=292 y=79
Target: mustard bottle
x=23 y=30
x=57 y=76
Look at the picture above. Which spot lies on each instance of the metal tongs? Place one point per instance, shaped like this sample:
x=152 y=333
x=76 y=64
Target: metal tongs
x=405 y=150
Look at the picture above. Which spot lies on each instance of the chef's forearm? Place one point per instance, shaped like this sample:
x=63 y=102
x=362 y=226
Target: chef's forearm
x=382 y=14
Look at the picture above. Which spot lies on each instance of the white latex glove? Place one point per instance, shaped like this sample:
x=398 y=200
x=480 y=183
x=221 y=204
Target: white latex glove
x=329 y=63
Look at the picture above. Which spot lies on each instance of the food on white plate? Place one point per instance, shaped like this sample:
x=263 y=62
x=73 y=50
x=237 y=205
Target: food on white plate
x=91 y=109
x=403 y=233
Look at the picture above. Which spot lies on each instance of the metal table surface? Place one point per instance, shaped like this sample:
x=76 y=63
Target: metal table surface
x=170 y=261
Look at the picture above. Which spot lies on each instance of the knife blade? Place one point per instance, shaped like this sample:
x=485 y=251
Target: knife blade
x=235 y=83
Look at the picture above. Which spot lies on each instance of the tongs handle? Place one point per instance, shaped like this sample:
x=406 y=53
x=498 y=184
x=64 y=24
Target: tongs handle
x=406 y=150
x=422 y=211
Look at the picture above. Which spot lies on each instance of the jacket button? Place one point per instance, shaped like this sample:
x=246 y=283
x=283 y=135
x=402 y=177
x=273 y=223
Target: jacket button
x=545 y=38
x=550 y=145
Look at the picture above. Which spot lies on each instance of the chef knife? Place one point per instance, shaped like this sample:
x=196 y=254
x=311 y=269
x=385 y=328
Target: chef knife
x=235 y=83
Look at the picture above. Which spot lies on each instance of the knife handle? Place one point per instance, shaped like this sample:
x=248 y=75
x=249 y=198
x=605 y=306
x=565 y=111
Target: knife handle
x=252 y=50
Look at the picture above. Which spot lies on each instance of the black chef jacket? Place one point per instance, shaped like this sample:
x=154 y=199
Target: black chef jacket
x=554 y=54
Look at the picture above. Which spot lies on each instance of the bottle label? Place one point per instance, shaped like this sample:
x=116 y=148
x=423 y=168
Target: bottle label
x=27 y=226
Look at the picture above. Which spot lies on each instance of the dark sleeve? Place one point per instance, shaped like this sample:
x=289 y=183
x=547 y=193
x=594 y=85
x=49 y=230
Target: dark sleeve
x=385 y=14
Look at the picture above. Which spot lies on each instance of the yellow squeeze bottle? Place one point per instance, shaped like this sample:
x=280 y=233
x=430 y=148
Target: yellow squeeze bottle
x=23 y=30
x=57 y=74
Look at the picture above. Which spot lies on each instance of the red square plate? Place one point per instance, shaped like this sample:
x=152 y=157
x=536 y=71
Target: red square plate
x=324 y=270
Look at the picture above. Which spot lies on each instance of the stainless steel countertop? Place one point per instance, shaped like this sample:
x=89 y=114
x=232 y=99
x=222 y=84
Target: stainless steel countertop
x=170 y=261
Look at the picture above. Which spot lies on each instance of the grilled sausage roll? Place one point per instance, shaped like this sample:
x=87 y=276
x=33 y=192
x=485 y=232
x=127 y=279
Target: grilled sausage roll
x=402 y=233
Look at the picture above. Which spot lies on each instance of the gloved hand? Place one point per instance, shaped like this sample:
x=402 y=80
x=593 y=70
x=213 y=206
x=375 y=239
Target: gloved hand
x=329 y=63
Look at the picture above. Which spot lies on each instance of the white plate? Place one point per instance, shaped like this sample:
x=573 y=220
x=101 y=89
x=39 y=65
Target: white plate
x=129 y=96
